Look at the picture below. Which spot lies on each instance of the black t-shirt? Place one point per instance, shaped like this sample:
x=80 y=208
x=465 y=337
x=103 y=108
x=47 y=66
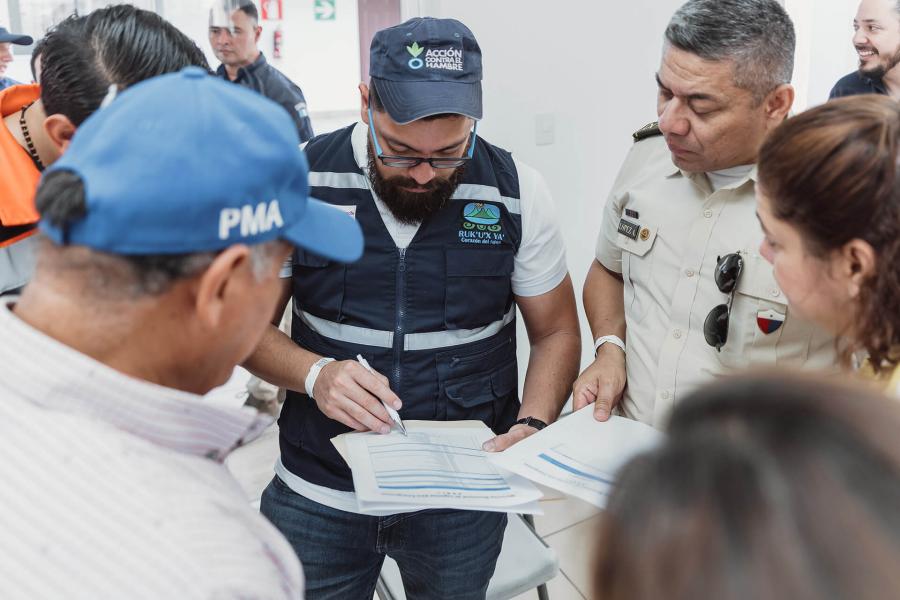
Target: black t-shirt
x=855 y=84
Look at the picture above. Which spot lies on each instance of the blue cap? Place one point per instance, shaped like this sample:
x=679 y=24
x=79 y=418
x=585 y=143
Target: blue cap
x=15 y=38
x=187 y=162
x=426 y=67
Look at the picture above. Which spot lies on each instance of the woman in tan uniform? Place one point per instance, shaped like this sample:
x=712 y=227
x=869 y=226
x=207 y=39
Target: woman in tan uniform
x=829 y=203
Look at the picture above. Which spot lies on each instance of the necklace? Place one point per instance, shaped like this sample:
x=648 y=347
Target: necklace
x=30 y=144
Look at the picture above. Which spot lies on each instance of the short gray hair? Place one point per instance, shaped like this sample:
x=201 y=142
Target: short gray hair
x=758 y=35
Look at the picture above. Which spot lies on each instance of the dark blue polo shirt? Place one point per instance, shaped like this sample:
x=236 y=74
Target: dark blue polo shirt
x=274 y=85
x=855 y=84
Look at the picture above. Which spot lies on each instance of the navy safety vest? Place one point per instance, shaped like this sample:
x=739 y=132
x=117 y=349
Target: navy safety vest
x=436 y=318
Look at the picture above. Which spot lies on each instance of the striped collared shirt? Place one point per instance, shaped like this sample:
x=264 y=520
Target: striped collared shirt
x=113 y=487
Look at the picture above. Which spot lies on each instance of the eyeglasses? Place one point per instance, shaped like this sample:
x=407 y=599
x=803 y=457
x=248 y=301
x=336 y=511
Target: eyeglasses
x=715 y=327
x=408 y=162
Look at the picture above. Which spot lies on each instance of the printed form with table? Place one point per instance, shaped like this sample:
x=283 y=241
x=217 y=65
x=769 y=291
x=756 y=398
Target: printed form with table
x=442 y=465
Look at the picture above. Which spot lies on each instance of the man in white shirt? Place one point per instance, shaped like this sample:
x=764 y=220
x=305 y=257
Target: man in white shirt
x=677 y=274
x=155 y=277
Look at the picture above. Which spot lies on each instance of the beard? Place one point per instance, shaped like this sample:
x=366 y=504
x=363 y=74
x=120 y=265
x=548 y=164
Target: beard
x=879 y=70
x=411 y=208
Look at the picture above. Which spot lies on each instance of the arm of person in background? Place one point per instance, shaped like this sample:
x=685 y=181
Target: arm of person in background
x=603 y=381
x=295 y=103
x=344 y=390
x=551 y=320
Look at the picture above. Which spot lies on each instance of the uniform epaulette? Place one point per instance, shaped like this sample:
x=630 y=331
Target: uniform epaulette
x=647 y=131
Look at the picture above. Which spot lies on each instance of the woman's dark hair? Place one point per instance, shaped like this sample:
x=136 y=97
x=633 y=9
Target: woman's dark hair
x=781 y=488
x=122 y=45
x=832 y=172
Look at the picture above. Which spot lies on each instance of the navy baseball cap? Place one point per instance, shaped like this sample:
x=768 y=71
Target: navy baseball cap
x=187 y=162
x=426 y=67
x=15 y=38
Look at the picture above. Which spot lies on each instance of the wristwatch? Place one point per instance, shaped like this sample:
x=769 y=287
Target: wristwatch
x=532 y=422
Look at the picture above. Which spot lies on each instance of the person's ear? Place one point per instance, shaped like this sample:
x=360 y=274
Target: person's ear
x=258 y=30
x=218 y=285
x=859 y=262
x=779 y=102
x=364 y=102
x=60 y=131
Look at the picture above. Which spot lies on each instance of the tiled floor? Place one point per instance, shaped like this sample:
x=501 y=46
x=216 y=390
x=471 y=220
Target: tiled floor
x=566 y=526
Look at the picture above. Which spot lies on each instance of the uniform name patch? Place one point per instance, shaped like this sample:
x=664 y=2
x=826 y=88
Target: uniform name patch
x=629 y=229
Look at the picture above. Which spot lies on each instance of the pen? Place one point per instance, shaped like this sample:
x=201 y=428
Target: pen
x=395 y=416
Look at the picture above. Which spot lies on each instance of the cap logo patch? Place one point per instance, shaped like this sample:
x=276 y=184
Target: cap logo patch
x=448 y=58
x=415 y=50
x=252 y=220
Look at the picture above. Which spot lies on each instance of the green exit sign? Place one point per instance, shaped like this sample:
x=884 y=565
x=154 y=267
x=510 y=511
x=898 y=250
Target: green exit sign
x=324 y=10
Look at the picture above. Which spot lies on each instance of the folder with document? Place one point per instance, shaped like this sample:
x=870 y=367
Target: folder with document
x=436 y=465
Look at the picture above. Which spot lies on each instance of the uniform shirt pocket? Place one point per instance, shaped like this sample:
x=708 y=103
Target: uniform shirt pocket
x=758 y=319
x=636 y=240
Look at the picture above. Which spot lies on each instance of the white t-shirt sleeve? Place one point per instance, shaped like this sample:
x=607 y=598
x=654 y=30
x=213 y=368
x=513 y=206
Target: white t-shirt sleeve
x=540 y=263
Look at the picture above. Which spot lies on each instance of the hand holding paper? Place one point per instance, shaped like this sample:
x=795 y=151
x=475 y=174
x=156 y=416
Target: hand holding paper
x=579 y=455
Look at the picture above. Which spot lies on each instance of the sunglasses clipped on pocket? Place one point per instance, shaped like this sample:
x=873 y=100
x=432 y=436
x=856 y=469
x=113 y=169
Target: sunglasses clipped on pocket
x=728 y=272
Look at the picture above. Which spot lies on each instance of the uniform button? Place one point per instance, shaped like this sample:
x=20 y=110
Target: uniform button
x=775 y=293
x=677 y=334
x=664 y=395
x=689 y=272
x=707 y=214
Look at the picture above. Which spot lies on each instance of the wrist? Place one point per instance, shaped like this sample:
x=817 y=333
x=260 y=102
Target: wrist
x=608 y=341
x=313 y=374
x=532 y=422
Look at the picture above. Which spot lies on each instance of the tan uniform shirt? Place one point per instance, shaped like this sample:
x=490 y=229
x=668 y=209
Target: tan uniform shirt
x=667 y=264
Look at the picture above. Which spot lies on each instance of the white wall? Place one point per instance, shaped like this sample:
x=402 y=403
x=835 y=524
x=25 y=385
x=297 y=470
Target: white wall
x=831 y=52
x=587 y=66
x=322 y=57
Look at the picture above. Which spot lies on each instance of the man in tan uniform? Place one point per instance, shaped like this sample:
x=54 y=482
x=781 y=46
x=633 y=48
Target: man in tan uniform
x=678 y=292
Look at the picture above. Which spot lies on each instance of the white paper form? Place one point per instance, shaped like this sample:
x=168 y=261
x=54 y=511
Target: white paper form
x=578 y=455
x=434 y=468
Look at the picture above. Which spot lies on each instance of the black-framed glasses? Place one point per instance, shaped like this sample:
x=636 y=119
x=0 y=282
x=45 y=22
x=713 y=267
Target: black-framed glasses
x=408 y=162
x=715 y=327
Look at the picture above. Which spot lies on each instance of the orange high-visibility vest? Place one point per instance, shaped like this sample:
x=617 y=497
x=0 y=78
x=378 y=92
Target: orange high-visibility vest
x=18 y=175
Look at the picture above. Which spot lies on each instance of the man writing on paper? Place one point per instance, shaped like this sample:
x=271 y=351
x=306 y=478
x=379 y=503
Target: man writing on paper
x=458 y=236
x=678 y=269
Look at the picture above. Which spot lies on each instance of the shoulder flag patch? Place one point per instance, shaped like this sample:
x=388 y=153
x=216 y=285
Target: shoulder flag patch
x=647 y=131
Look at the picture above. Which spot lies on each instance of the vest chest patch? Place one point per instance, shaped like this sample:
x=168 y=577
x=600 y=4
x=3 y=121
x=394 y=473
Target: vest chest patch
x=480 y=224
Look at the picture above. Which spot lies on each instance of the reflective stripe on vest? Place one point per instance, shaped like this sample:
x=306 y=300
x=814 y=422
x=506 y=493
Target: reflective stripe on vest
x=433 y=340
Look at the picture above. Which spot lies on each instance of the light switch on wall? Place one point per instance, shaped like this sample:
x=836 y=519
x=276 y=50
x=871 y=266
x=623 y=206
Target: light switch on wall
x=544 y=129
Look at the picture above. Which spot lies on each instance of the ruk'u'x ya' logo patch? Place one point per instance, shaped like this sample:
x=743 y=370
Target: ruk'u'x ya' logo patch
x=481 y=224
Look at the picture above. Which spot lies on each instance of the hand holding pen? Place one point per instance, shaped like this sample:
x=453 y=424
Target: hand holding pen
x=395 y=416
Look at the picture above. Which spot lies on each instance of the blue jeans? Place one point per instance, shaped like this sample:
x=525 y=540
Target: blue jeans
x=445 y=554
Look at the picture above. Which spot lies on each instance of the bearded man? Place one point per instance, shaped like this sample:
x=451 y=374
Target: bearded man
x=458 y=236
x=877 y=42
